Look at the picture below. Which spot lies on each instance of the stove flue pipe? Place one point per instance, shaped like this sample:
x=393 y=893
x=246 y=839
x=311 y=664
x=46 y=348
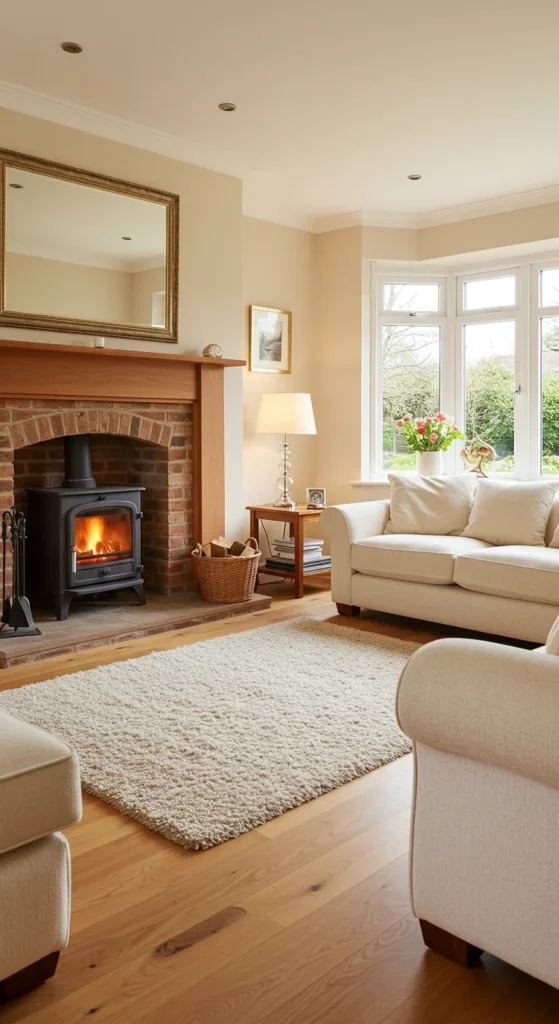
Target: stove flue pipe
x=77 y=462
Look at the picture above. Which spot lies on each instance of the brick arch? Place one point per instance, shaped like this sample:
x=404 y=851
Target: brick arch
x=162 y=436
x=31 y=428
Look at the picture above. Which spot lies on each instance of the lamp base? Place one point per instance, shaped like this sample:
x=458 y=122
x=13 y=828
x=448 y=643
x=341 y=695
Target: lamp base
x=284 y=502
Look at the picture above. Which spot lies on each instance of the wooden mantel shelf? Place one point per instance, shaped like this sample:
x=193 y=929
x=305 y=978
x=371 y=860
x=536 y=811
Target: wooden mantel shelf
x=85 y=350
x=40 y=370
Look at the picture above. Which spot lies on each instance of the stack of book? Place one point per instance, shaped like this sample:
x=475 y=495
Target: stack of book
x=283 y=555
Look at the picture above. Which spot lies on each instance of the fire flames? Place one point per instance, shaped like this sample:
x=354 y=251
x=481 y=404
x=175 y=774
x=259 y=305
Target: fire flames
x=103 y=538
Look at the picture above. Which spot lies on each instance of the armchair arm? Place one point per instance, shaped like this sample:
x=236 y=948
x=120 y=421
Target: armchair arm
x=344 y=524
x=487 y=702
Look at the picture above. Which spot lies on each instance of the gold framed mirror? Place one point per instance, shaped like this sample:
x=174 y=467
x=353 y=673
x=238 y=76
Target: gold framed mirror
x=84 y=253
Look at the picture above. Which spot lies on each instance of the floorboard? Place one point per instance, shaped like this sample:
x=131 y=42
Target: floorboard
x=305 y=920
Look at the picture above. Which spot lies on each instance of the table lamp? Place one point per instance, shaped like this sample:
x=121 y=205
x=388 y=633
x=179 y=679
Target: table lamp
x=283 y=413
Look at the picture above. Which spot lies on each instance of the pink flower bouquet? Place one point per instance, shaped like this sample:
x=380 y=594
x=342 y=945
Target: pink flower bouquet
x=429 y=433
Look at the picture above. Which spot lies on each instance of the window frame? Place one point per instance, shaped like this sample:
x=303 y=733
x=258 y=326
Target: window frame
x=452 y=318
x=489 y=275
x=537 y=314
x=390 y=318
x=491 y=315
x=409 y=279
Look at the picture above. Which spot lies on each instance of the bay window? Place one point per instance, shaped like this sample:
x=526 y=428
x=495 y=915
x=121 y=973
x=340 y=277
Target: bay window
x=410 y=360
x=484 y=346
x=487 y=311
x=410 y=376
x=489 y=379
x=547 y=330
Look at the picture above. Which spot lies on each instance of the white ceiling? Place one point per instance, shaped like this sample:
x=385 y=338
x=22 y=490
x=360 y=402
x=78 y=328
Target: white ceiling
x=61 y=220
x=338 y=100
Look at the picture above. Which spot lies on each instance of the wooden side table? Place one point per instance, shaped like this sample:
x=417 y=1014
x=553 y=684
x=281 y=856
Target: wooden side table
x=296 y=518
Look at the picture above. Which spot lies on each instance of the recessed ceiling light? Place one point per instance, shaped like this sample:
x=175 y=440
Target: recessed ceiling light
x=227 y=107
x=126 y=238
x=71 y=47
x=15 y=184
x=414 y=177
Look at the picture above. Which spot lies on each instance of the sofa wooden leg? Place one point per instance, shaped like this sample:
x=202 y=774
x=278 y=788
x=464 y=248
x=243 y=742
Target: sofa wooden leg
x=348 y=609
x=28 y=978
x=450 y=946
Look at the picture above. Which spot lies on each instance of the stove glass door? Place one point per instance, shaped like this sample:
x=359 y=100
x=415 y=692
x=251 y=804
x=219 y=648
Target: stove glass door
x=103 y=537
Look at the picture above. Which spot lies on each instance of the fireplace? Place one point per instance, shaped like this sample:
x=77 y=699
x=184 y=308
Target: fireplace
x=155 y=421
x=83 y=539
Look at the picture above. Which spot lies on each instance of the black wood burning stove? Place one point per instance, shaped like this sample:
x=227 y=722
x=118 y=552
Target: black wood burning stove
x=83 y=539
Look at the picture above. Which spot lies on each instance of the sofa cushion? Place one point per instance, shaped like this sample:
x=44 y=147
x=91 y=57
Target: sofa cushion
x=511 y=512
x=438 y=505
x=39 y=783
x=416 y=558
x=516 y=571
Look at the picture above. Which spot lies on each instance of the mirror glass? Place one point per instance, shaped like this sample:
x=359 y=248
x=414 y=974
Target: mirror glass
x=82 y=252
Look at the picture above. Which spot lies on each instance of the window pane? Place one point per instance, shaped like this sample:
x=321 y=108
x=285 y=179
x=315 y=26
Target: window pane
x=549 y=287
x=411 y=298
x=410 y=384
x=549 y=335
x=490 y=293
x=490 y=384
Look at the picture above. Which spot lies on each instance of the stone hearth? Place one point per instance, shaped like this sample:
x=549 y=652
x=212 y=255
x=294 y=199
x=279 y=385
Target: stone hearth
x=111 y=622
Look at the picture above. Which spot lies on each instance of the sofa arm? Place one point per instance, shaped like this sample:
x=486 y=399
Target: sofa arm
x=344 y=524
x=488 y=702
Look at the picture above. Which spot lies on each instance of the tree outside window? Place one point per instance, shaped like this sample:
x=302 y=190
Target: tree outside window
x=410 y=374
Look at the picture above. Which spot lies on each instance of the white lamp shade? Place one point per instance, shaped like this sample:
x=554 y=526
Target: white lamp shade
x=283 y=413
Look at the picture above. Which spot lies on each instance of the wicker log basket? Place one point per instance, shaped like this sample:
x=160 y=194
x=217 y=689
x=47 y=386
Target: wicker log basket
x=227 y=580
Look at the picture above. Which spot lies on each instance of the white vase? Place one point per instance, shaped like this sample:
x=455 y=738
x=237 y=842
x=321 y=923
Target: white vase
x=429 y=463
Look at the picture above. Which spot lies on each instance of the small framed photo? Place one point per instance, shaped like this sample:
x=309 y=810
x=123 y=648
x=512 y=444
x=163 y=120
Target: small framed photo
x=270 y=340
x=316 y=497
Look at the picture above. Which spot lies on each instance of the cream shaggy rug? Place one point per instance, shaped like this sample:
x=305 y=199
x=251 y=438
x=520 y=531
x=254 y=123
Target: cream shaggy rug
x=207 y=741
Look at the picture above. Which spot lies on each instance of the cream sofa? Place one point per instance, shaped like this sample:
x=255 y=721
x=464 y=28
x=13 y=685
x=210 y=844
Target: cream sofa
x=39 y=794
x=459 y=581
x=484 y=720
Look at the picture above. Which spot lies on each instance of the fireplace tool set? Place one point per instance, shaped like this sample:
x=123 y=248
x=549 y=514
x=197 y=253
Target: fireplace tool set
x=16 y=619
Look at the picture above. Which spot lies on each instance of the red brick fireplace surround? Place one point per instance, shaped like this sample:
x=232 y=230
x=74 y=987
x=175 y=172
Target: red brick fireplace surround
x=154 y=420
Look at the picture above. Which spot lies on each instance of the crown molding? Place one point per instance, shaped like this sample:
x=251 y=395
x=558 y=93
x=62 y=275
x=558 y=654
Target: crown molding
x=489 y=207
x=337 y=222
x=364 y=219
x=71 y=115
x=84 y=119
x=434 y=218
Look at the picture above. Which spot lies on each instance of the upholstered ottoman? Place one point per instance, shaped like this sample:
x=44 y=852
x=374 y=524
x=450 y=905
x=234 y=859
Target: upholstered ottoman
x=39 y=794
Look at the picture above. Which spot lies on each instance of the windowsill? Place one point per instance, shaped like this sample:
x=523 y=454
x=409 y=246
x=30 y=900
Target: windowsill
x=372 y=483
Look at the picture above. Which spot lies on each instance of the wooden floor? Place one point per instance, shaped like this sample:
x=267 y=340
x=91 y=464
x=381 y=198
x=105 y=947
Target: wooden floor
x=305 y=920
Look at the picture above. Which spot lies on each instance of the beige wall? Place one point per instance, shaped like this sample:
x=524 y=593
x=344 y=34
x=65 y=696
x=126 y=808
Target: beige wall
x=337 y=367
x=278 y=271
x=210 y=298
x=144 y=284
x=37 y=285
x=515 y=227
x=390 y=244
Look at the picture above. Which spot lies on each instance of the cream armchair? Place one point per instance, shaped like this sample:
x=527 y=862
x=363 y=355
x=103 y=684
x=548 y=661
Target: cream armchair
x=39 y=794
x=484 y=719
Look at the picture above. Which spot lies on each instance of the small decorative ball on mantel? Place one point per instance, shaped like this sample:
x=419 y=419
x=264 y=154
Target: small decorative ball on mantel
x=213 y=351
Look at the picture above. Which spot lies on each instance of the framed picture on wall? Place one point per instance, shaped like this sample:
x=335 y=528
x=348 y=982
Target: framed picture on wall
x=269 y=340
